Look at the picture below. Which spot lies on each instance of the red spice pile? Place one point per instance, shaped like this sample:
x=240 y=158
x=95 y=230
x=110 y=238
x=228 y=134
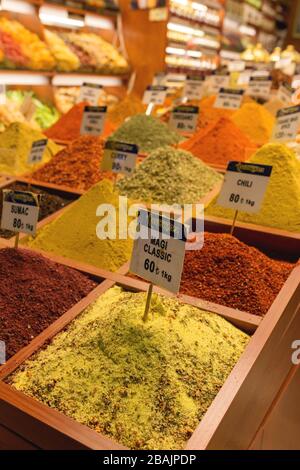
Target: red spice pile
x=76 y=166
x=34 y=292
x=220 y=142
x=228 y=272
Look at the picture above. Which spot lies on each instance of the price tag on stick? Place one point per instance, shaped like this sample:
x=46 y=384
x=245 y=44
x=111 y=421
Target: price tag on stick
x=244 y=187
x=93 y=120
x=184 y=118
x=37 y=151
x=193 y=88
x=155 y=94
x=119 y=157
x=20 y=212
x=158 y=252
x=285 y=93
x=217 y=81
x=90 y=92
x=287 y=124
x=229 y=98
x=259 y=87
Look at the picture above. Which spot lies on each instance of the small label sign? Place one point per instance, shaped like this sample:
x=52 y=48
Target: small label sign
x=119 y=157
x=20 y=211
x=217 y=81
x=159 y=79
x=244 y=186
x=193 y=89
x=155 y=94
x=287 y=124
x=158 y=253
x=228 y=98
x=37 y=151
x=260 y=87
x=90 y=92
x=93 y=120
x=184 y=118
x=285 y=93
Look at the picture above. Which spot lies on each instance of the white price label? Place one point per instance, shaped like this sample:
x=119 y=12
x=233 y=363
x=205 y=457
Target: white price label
x=259 y=87
x=37 y=151
x=244 y=186
x=119 y=157
x=28 y=108
x=184 y=118
x=158 y=252
x=287 y=124
x=155 y=94
x=193 y=89
x=93 y=120
x=237 y=66
x=228 y=98
x=285 y=93
x=20 y=211
x=215 y=82
x=159 y=79
x=90 y=92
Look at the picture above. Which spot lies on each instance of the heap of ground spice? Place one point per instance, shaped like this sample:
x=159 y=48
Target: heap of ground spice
x=76 y=166
x=67 y=128
x=129 y=106
x=145 y=385
x=255 y=121
x=74 y=233
x=49 y=203
x=281 y=203
x=34 y=292
x=228 y=272
x=219 y=142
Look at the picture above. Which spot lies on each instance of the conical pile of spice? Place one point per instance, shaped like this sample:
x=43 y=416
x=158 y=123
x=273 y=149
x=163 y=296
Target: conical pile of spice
x=145 y=385
x=76 y=166
x=129 y=106
x=73 y=234
x=147 y=132
x=281 y=204
x=34 y=292
x=15 y=146
x=219 y=142
x=255 y=121
x=228 y=272
x=170 y=176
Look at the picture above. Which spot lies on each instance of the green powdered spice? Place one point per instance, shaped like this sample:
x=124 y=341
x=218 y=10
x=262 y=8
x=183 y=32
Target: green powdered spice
x=281 y=203
x=147 y=132
x=146 y=385
x=170 y=176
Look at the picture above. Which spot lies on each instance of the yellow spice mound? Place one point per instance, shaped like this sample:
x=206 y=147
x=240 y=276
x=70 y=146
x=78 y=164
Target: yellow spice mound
x=146 y=385
x=255 y=121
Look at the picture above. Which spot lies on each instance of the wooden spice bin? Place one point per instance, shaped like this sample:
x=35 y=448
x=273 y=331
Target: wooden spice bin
x=233 y=421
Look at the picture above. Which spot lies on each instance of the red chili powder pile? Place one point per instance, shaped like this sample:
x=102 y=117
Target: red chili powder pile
x=34 y=292
x=67 y=128
x=76 y=166
x=220 y=142
x=228 y=272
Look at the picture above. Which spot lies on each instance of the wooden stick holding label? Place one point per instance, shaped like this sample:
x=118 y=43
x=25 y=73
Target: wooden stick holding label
x=233 y=222
x=17 y=240
x=149 y=108
x=148 y=303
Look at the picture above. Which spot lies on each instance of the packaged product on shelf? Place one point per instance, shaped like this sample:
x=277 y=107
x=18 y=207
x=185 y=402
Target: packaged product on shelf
x=22 y=48
x=76 y=166
x=156 y=380
x=147 y=132
x=170 y=176
x=281 y=204
x=49 y=203
x=219 y=142
x=255 y=121
x=73 y=234
x=66 y=60
x=15 y=145
x=34 y=292
x=228 y=272
x=67 y=97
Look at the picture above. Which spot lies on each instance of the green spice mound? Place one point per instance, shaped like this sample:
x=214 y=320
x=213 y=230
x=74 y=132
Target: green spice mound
x=147 y=132
x=281 y=203
x=146 y=385
x=170 y=176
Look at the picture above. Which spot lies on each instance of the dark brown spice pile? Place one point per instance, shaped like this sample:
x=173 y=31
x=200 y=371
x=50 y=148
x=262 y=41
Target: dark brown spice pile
x=49 y=203
x=228 y=272
x=34 y=292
